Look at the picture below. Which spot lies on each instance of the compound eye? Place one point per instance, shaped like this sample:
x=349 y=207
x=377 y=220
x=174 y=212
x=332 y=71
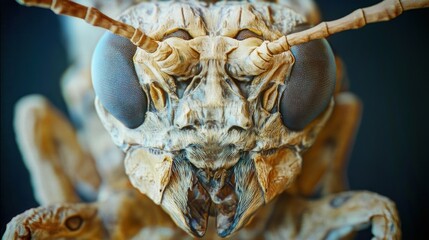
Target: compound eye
x=179 y=33
x=115 y=80
x=245 y=34
x=310 y=85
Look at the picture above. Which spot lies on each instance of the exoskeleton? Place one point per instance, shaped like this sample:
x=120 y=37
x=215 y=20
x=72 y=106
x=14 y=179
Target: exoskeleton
x=223 y=114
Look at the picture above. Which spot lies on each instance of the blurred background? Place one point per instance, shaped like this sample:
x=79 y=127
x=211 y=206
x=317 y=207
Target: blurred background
x=387 y=64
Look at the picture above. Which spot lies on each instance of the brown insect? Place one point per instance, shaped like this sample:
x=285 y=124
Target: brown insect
x=214 y=107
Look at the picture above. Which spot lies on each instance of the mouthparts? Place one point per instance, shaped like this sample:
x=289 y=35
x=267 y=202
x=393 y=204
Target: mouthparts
x=231 y=196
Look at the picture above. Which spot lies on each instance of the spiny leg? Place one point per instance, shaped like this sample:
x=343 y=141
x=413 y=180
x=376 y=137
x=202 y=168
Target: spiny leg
x=57 y=164
x=334 y=217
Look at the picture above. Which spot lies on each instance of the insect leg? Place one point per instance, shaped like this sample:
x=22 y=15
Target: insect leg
x=51 y=152
x=335 y=216
x=65 y=220
x=340 y=214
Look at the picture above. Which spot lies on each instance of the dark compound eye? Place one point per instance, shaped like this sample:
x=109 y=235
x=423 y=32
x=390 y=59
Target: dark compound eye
x=245 y=34
x=310 y=86
x=115 y=81
x=180 y=33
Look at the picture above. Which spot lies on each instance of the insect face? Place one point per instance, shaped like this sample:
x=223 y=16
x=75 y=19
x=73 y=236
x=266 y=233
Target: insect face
x=214 y=138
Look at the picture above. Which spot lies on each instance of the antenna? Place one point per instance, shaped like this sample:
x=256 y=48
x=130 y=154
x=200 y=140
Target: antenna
x=96 y=18
x=383 y=11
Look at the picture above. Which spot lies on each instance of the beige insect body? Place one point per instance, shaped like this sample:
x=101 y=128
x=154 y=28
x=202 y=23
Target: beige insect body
x=222 y=115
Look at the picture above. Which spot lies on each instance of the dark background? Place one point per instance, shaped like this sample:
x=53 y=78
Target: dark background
x=387 y=63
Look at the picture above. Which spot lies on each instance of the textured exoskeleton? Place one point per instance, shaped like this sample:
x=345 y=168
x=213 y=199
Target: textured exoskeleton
x=230 y=115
